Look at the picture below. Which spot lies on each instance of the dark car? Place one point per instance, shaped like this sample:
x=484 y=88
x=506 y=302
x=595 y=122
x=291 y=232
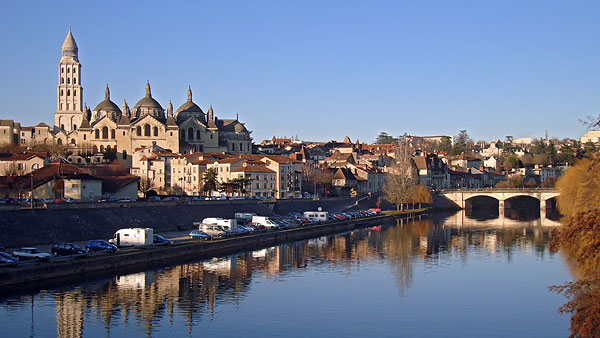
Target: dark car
x=199 y=234
x=66 y=249
x=160 y=240
x=8 y=260
x=100 y=245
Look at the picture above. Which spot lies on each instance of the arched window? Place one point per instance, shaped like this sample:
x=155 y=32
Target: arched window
x=138 y=131
x=112 y=134
x=197 y=134
x=68 y=80
x=105 y=132
x=74 y=92
x=74 y=80
x=124 y=154
x=68 y=70
x=62 y=92
x=233 y=146
x=74 y=127
x=62 y=80
x=147 y=130
x=190 y=133
x=68 y=92
x=84 y=137
x=73 y=141
x=62 y=70
x=62 y=126
x=97 y=132
x=155 y=131
x=59 y=141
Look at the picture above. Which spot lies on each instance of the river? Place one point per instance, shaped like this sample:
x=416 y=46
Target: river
x=458 y=275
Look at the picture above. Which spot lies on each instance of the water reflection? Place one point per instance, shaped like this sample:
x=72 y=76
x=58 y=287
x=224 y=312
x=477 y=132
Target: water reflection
x=192 y=293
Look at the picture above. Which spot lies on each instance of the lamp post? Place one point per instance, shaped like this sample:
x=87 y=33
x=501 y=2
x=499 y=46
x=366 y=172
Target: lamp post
x=34 y=167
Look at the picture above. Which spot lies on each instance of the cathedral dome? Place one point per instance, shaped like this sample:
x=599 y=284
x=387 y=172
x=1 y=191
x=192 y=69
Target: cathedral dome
x=107 y=105
x=189 y=109
x=148 y=106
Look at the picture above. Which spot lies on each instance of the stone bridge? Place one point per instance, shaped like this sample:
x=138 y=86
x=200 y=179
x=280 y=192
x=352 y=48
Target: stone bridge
x=459 y=197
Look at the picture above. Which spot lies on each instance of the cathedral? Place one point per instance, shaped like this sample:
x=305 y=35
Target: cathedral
x=187 y=129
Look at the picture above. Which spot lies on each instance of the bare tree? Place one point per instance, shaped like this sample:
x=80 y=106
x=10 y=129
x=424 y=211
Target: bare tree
x=401 y=176
x=145 y=185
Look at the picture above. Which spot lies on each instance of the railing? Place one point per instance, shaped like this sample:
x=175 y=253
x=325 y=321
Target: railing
x=498 y=190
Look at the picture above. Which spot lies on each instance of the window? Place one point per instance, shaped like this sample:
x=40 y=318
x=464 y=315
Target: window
x=62 y=70
x=97 y=133
x=146 y=130
x=112 y=134
x=171 y=134
x=105 y=132
x=155 y=131
x=198 y=134
x=62 y=80
x=233 y=146
x=68 y=93
x=190 y=133
x=68 y=80
x=68 y=70
x=75 y=81
x=74 y=92
x=62 y=92
x=74 y=127
x=138 y=131
x=84 y=136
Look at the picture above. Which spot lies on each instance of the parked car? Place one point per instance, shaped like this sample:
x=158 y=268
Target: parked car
x=170 y=198
x=31 y=253
x=66 y=249
x=160 y=240
x=153 y=199
x=7 y=260
x=199 y=234
x=100 y=245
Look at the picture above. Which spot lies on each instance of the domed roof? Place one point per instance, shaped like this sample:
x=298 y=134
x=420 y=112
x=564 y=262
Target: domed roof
x=189 y=108
x=147 y=101
x=107 y=105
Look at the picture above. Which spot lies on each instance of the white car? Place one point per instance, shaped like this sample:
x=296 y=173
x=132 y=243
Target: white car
x=31 y=253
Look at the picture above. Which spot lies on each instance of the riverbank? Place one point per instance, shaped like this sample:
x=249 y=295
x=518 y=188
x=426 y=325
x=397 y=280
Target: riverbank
x=42 y=275
x=84 y=221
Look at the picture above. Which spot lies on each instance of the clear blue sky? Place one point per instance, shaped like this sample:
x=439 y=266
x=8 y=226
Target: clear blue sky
x=320 y=69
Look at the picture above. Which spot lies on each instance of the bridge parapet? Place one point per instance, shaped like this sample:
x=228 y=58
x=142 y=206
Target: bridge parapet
x=459 y=197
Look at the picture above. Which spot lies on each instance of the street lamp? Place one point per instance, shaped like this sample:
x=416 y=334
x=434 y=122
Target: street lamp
x=34 y=167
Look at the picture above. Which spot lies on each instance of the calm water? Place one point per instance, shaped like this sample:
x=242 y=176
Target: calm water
x=462 y=276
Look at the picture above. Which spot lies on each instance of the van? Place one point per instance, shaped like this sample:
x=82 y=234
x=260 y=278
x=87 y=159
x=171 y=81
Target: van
x=265 y=221
x=216 y=231
x=133 y=237
x=244 y=217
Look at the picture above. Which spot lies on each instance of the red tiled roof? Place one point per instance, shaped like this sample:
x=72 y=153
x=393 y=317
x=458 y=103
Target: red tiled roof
x=253 y=169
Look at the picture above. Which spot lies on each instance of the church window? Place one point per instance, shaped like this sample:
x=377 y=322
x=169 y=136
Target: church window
x=62 y=80
x=97 y=132
x=75 y=80
x=59 y=141
x=190 y=133
x=198 y=134
x=171 y=134
x=62 y=126
x=62 y=70
x=62 y=92
x=112 y=134
x=147 y=130
x=233 y=146
x=105 y=132
x=74 y=92
x=74 y=70
x=74 y=127
x=124 y=154
x=68 y=93
x=211 y=135
x=84 y=137
x=155 y=131
x=68 y=70
x=123 y=133
x=73 y=141
x=138 y=131
x=68 y=80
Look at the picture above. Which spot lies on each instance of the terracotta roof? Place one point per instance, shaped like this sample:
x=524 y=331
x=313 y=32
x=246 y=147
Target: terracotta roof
x=343 y=174
x=229 y=160
x=114 y=183
x=202 y=162
x=421 y=162
x=253 y=169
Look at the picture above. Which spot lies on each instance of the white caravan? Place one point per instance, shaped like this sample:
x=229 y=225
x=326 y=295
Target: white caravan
x=133 y=237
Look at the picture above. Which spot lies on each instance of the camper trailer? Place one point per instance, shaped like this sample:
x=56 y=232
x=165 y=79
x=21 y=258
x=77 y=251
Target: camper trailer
x=133 y=237
x=319 y=216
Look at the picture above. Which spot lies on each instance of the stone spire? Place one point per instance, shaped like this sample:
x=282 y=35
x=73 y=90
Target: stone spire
x=69 y=47
x=210 y=114
x=170 y=107
x=189 y=94
x=125 y=109
x=107 y=93
x=148 y=94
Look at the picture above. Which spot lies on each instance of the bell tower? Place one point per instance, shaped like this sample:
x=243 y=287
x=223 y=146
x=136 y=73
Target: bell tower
x=69 y=93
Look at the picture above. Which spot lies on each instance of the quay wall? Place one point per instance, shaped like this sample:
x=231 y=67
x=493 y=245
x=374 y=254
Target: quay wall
x=83 y=221
x=129 y=261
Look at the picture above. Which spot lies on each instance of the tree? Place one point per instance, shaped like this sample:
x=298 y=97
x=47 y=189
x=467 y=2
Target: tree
x=210 y=181
x=109 y=154
x=145 y=186
x=446 y=145
x=401 y=176
x=460 y=144
x=384 y=138
x=420 y=194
